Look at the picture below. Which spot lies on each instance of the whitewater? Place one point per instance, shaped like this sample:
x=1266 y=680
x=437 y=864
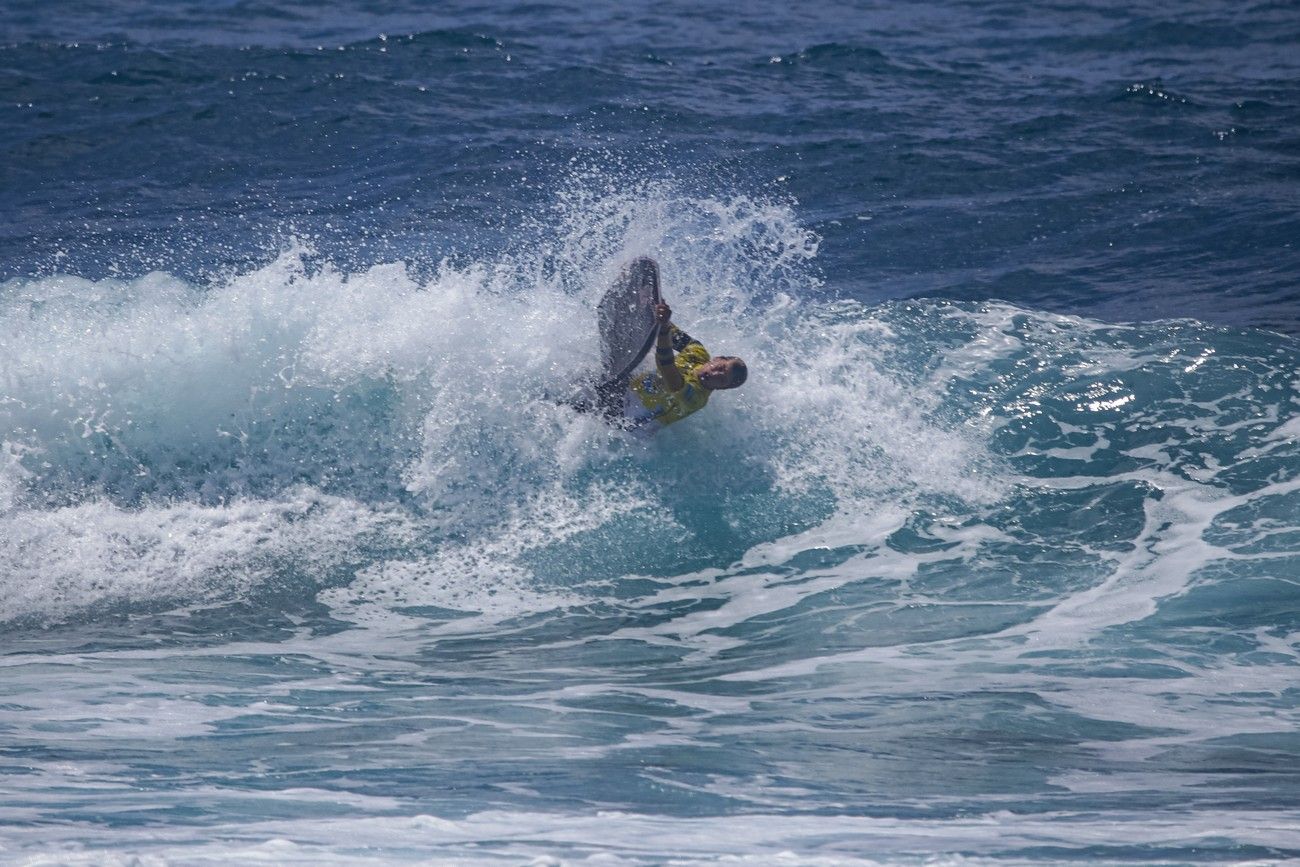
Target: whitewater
x=307 y=563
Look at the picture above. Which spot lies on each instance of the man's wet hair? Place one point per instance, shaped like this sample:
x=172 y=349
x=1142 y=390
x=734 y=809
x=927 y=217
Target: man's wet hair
x=739 y=371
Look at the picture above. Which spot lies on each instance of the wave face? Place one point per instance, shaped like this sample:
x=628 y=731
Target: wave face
x=966 y=551
x=305 y=559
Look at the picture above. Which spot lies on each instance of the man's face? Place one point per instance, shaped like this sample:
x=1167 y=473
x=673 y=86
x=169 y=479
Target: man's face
x=718 y=373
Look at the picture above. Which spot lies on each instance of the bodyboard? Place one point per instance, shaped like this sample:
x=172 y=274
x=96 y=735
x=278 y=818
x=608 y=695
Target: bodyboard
x=626 y=318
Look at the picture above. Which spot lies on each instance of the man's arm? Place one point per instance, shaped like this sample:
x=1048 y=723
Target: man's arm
x=672 y=377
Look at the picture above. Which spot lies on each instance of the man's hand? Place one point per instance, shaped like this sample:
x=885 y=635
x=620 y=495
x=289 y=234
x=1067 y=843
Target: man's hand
x=663 y=314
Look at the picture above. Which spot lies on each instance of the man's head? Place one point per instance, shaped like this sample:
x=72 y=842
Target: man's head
x=722 y=371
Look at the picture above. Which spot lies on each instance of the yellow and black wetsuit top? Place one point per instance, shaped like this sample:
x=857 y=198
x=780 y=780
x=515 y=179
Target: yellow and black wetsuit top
x=667 y=406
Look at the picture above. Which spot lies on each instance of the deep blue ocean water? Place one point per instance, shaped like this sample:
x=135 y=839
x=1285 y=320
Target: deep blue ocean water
x=994 y=560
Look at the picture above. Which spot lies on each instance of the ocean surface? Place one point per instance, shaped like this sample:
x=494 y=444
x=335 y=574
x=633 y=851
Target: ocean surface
x=994 y=560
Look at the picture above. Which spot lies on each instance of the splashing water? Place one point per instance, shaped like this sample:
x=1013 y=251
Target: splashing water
x=198 y=437
x=919 y=530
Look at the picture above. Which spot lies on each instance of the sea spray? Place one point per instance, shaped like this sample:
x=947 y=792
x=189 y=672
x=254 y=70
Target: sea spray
x=408 y=429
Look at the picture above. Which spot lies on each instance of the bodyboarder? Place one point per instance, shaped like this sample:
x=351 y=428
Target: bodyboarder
x=683 y=378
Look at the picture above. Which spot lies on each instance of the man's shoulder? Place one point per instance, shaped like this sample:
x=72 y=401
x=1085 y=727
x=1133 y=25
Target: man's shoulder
x=694 y=353
x=681 y=340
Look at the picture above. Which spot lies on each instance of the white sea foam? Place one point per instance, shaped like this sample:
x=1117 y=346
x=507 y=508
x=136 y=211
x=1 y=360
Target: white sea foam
x=907 y=506
x=176 y=442
x=623 y=838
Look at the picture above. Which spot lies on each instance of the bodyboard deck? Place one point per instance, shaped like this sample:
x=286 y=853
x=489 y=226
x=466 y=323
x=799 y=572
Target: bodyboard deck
x=626 y=318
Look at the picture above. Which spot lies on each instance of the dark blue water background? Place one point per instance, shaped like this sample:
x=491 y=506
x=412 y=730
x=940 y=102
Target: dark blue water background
x=1102 y=157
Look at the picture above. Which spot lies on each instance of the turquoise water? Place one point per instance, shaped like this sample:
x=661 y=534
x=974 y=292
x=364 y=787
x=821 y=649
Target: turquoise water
x=993 y=560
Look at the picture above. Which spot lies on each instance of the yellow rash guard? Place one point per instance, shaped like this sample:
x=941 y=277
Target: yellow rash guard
x=664 y=406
